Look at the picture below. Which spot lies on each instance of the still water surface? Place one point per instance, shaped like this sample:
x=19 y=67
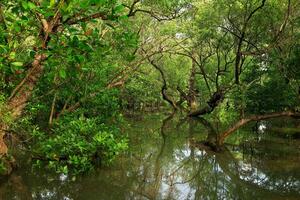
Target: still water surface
x=163 y=162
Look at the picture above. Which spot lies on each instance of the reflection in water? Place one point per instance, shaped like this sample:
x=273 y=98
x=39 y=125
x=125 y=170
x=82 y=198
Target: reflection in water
x=164 y=163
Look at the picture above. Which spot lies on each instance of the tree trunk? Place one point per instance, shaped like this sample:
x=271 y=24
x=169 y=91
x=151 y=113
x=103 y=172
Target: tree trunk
x=17 y=102
x=212 y=136
x=164 y=87
x=192 y=92
x=244 y=121
x=23 y=92
x=214 y=101
x=3 y=147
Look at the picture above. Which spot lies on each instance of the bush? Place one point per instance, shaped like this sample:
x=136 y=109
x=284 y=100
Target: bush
x=76 y=145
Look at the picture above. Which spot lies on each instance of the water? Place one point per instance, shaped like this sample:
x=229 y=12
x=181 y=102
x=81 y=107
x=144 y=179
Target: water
x=165 y=162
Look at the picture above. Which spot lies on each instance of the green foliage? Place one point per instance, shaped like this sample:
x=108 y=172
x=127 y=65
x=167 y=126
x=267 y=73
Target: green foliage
x=95 y=45
x=141 y=90
x=227 y=113
x=4 y=112
x=75 y=145
x=273 y=95
x=269 y=90
x=78 y=140
x=292 y=69
x=82 y=59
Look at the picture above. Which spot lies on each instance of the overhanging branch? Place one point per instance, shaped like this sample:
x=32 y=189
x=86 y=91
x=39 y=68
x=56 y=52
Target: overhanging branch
x=245 y=121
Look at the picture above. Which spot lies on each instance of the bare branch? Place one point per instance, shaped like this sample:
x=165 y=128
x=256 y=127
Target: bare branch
x=77 y=19
x=255 y=10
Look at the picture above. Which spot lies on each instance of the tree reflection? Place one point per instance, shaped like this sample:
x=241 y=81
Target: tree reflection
x=165 y=162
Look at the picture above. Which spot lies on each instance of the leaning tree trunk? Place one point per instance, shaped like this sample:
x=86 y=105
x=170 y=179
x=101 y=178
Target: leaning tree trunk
x=23 y=91
x=164 y=88
x=21 y=95
x=245 y=121
x=213 y=102
x=192 y=103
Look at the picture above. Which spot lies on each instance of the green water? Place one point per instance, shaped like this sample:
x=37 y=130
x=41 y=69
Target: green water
x=163 y=162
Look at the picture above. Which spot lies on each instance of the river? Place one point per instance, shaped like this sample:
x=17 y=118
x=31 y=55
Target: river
x=164 y=161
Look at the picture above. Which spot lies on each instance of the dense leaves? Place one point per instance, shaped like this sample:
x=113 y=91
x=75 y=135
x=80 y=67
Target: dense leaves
x=77 y=145
x=69 y=68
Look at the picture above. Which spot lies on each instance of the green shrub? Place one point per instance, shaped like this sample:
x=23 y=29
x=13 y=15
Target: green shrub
x=76 y=145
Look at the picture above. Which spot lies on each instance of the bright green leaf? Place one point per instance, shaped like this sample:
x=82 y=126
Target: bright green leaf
x=52 y=3
x=17 y=64
x=119 y=8
x=31 y=5
x=62 y=73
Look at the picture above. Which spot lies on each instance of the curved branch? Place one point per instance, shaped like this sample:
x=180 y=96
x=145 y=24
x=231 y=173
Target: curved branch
x=199 y=64
x=183 y=96
x=255 y=10
x=157 y=16
x=238 y=62
x=74 y=20
x=164 y=87
x=213 y=102
x=245 y=121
